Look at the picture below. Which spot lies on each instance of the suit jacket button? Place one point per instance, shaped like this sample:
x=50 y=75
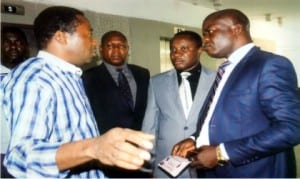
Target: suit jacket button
x=186 y=128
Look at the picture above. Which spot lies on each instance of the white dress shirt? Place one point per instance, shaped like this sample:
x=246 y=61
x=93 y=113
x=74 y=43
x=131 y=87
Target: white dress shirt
x=234 y=58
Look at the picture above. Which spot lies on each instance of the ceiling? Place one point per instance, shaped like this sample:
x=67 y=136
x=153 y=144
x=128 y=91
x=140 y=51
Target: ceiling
x=285 y=13
x=255 y=8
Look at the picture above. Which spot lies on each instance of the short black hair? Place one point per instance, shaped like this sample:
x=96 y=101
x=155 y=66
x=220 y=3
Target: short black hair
x=237 y=16
x=14 y=30
x=53 y=19
x=108 y=34
x=191 y=35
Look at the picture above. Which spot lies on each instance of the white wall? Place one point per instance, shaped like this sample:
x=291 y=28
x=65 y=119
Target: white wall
x=285 y=38
x=177 y=12
x=171 y=11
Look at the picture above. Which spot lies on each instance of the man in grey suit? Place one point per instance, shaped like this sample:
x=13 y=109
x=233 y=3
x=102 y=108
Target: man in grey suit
x=167 y=116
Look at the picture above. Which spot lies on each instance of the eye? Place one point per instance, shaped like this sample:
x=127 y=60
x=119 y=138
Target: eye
x=209 y=32
x=18 y=42
x=122 y=46
x=184 y=49
x=109 y=46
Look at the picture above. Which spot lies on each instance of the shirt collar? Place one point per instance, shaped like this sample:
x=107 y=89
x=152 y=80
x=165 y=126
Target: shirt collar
x=194 y=74
x=113 y=68
x=4 y=69
x=194 y=70
x=237 y=55
x=60 y=63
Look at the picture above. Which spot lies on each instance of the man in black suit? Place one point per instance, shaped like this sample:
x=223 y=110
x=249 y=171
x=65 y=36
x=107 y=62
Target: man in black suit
x=112 y=106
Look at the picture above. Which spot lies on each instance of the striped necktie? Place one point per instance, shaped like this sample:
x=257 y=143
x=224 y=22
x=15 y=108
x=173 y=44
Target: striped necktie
x=220 y=72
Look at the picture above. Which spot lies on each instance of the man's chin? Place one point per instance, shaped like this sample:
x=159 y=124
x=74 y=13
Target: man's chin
x=179 y=69
x=89 y=60
x=14 y=59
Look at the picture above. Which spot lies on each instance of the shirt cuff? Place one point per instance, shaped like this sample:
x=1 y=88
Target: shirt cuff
x=223 y=151
x=193 y=138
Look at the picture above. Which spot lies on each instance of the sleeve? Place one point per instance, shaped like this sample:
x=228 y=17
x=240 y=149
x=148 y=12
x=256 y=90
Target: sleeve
x=32 y=148
x=150 y=122
x=280 y=104
x=4 y=134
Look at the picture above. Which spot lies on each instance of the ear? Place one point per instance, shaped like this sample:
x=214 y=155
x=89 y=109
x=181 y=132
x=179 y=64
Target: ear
x=237 y=29
x=60 y=37
x=199 y=51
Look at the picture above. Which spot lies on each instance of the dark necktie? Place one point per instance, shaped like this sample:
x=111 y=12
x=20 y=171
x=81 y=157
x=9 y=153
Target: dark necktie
x=125 y=88
x=220 y=72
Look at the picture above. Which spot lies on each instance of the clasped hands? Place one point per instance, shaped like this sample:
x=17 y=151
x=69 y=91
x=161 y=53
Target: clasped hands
x=201 y=158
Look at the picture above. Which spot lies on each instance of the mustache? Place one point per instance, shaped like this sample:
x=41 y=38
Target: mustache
x=207 y=45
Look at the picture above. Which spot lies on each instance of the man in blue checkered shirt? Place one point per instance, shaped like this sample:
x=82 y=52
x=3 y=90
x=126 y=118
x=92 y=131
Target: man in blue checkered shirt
x=53 y=132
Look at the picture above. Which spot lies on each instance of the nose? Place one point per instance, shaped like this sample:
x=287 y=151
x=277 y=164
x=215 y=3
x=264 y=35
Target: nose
x=176 y=53
x=13 y=45
x=205 y=38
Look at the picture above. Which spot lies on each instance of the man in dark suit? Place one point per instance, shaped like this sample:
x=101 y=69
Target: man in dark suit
x=113 y=104
x=252 y=123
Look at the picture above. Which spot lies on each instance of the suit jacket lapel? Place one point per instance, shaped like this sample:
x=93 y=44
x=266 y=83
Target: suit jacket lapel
x=205 y=81
x=106 y=76
x=172 y=91
x=236 y=73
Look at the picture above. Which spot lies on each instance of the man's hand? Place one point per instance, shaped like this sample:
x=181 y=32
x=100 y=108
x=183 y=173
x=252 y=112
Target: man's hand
x=124 y=148
x=120 y=147
x=183 y=147
x=204 y=158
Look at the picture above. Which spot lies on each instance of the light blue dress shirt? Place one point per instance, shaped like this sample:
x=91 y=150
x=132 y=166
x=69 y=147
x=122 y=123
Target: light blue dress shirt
x=45 y=105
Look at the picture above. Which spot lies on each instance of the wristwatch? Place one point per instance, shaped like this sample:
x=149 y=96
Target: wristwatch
x=221 y=160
